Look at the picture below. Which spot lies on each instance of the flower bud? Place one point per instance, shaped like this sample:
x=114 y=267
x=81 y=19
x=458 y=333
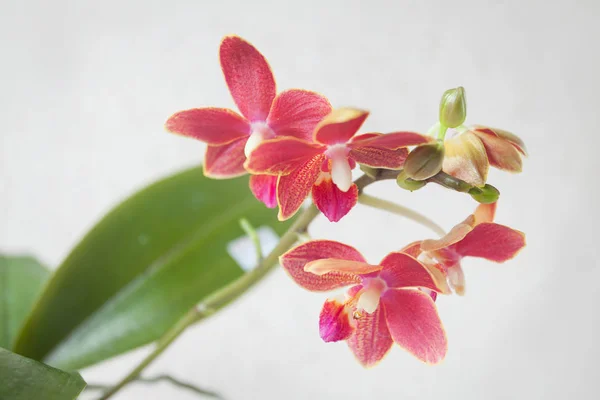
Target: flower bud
x=486 y=194
x=409 y=184
x=453 y=107
x=425 y=161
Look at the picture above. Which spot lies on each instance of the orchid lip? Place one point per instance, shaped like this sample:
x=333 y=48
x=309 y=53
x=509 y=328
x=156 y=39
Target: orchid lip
x=370 y=294
x=259 y=131
x=341 y=173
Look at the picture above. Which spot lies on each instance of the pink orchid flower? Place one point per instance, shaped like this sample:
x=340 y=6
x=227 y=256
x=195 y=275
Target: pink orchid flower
x=477 y=236
x=383 y=305
x=265 y=115
x=324 y=166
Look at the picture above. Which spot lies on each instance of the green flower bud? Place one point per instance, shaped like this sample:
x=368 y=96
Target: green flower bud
x=453 y=107
x=409 y=184
x=371 y=172
x=486 y=194
x=424 y=161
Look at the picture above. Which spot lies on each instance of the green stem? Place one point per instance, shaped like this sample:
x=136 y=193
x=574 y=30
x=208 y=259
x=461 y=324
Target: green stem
x=253 y=235
x=174 y=381
x=442 y=132
x=397 y=209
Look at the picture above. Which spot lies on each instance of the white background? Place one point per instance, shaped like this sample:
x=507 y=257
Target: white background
x=85 y=88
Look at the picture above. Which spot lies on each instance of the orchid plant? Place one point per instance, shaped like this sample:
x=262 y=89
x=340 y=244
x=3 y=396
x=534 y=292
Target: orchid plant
x=135 y=276
x=295 y=144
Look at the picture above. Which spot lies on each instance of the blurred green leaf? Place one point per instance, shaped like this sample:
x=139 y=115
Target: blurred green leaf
x=21 y=280
x=141 y=268
x=26 y=379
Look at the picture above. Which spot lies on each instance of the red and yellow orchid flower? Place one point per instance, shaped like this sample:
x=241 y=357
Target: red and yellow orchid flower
x=265 y=115
x=476 y=236
x=383 y=305
x=324 y=165
x=469 y=154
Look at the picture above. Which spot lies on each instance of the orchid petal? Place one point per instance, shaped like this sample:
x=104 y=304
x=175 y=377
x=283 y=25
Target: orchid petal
x=297 y=112
x=248 y=77
x=334 y=322
x=226 y=161
x=456 y=234
x=333 y=202
x=413 y=249
x=491 y=241
x=401 y=270
x=327 y=265
x=215 y=126
x=281 y=155
x=264 y=188
x=371 y=339
x=390 y=141
x=465 y=158
x=295 y=259
x=500 y=153
x=414 y=324
x=485 y=213
x=502 y=134
x=292 y=189
x=339 y=126
x=376 y=156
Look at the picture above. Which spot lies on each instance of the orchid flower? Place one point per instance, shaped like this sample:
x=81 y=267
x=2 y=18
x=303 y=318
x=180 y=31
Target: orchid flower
x=265 y=115
x=476 y=236
x=324 y=166
x=383 y=305
x=469 y=154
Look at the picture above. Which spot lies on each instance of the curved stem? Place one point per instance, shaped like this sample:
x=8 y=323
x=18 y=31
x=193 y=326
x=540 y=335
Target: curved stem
x=174 y=381
x=397 y=209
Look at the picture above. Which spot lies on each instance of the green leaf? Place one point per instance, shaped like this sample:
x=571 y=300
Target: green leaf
x=26 y=379
x=142 y=268
x=21 y=280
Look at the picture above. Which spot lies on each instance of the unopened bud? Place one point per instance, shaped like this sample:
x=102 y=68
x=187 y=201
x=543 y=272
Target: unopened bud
x=453 y=107
x=425 y=161
x=485 y=195
x=370 y=171
x=409 y=184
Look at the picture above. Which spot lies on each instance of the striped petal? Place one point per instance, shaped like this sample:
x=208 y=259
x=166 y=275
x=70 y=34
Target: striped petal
x=226 y=161
x=376 y=156
x=339 y=126
x=248 y=77
x=297 y=112
x=281 y=156
x=371 y=339
x=215 y=126
x=500 y=153
x=333 y=202
x=414 y=324
x=401 y=270
x=295 y=259
x=502 y=134
x=390 y=141
x=465 y=158
x=456 y=234
x=491 y=241
x=294 y=188
x=264 y=188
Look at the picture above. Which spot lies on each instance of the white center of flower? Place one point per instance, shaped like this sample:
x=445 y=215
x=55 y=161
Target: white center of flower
x=259 y=131
x=341 y=173
x=370 y=295
x=456 y=279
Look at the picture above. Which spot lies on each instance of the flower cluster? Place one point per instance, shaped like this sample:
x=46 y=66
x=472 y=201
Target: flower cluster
x=295 y=145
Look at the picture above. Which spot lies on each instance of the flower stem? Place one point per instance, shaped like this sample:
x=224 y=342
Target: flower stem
x=397 y=209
